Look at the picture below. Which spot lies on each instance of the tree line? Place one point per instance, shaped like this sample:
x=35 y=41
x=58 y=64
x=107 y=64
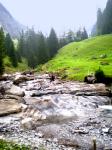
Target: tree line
x=36 y=48
x=72 y=36
x=104 y=19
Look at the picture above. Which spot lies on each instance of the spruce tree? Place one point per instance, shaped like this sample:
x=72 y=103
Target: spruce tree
x=107 y=15
x=99 y=22
x=79 y=35
x=10 y=50
x=70 y=36
x=53 y=44
x=84 y=34
x=2 y=51
x=104 y=19
x=31 y=50
x=42 y=49
x=21 y=45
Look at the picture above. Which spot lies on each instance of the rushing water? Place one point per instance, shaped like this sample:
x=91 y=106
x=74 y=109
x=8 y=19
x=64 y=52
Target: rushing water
x=65 y=110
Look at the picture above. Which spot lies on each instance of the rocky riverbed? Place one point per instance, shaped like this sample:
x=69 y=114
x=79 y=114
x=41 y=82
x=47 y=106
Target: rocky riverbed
x=58 y=115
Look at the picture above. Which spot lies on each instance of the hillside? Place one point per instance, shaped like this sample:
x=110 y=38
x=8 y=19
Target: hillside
x=78 y=59
x=9 y=68
x=8 y=23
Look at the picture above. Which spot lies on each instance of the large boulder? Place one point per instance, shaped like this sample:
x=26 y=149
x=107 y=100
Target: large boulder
x=9 y=106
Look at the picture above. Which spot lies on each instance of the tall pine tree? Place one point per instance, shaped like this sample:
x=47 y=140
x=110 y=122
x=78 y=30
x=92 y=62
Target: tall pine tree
x=53 y=44
x=42 y=49
x=10 y=50
x=104 y=20
x=84 y=34
x=99 y=22
x=107 y=15
x=2 y=50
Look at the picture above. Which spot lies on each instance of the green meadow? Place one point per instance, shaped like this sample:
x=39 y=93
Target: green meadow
x=78 y=59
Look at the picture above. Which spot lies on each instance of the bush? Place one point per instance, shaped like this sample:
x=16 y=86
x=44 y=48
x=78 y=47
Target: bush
x=100 y=76
x=4 y=145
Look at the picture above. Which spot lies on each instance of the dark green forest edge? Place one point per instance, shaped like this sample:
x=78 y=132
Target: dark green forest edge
x=72 y=56
x=32 y=49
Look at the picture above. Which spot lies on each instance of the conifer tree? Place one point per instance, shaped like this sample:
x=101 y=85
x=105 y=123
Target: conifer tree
x=107 y=16
x=53 y=44
x=99 y=22
x=21 y=44
x=104 y=19
x=84 y=34
x=42 y=49
x=10 y=50
x=2 y=51
x=70 y=36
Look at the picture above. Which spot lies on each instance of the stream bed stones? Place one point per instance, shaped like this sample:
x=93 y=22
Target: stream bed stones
x=58 y=115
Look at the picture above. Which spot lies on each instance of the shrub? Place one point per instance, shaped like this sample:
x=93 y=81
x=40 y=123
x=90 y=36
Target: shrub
x=100 y=76
x=4 y=145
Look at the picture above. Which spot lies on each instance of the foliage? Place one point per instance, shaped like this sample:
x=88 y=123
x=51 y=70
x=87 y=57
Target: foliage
x=10 y=69
x=104 y=19
x=10 y=50
x=72 y=36
x=81 y=34
x=2 y=50
x=52 y=43
x=43 y=53
x=37 y=48
x=99 y=21
x=100 y=76
x=12 y=146
x=75 y=60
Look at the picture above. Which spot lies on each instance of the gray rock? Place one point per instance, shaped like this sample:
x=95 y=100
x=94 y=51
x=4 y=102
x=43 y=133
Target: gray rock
x=8 y=107
x=15 y=90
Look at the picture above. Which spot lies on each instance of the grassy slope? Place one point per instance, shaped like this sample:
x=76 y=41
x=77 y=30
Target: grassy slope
x=21 y=66
x=75 y=60
x=9 y=68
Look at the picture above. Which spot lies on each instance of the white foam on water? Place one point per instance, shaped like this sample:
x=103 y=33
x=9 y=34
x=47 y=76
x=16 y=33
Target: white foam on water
x=107 y=107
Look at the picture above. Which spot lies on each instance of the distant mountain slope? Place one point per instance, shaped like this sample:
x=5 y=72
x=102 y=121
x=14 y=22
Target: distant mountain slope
x=78 y=59
x=8 y=23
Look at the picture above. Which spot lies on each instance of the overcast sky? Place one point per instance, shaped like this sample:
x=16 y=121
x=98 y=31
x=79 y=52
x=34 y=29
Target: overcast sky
x=59 y=14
